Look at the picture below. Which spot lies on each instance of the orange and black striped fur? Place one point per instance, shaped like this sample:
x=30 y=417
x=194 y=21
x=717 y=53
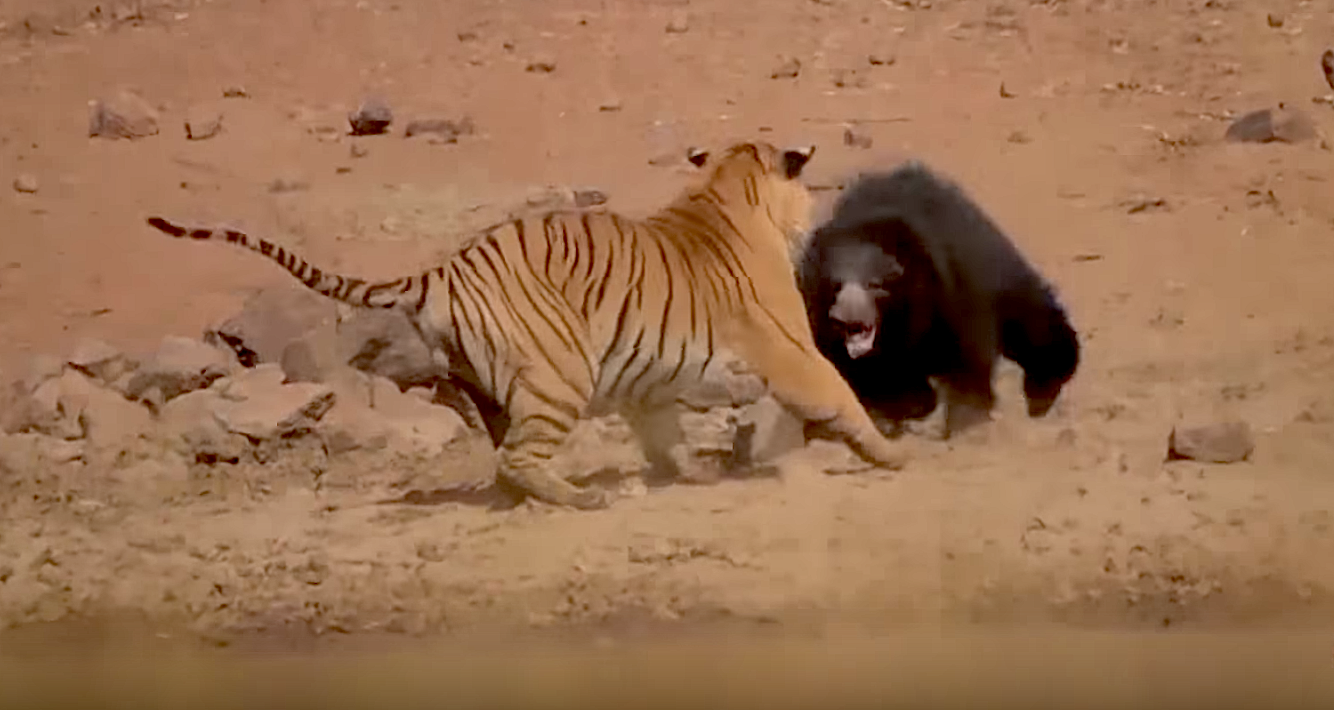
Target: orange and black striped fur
x=580 y=313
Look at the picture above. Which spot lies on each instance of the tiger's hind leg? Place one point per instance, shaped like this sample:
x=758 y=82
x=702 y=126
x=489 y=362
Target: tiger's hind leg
x=660 y=435
x=811 y=387
x=540 y=426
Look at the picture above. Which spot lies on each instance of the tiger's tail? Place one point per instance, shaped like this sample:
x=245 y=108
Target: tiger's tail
x=408 y=293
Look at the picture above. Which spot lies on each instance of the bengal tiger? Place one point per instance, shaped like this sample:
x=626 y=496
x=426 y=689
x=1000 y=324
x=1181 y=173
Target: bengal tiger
x=576 y=313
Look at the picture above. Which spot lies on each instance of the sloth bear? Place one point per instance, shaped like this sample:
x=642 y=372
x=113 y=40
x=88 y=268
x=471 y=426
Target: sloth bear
x=910 y=282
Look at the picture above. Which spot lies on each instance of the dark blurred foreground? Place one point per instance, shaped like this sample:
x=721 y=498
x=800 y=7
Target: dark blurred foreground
x=975 y=668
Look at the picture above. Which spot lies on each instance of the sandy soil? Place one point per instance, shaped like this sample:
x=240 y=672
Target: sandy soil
x=1197 y=270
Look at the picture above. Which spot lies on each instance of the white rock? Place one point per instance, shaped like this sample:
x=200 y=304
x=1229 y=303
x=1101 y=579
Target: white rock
x=276 y=412
x=99 y=360
x=180 y=365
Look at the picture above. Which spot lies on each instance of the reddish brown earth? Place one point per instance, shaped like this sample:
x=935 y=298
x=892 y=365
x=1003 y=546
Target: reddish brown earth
x=1197 y=270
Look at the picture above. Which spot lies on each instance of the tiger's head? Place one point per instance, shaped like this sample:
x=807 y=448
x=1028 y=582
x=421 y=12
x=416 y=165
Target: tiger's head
x=760 y=181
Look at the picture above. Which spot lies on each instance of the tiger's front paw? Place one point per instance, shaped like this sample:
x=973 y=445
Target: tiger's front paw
x=882 y=454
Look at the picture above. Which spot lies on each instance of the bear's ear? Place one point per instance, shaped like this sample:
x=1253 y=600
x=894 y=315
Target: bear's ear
x=794 y=159
x=697 y=156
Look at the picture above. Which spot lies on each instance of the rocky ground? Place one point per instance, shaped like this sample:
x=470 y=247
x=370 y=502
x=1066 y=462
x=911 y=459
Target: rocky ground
x=194 y=443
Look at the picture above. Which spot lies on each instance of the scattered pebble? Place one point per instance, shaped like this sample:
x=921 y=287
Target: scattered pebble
x=553 y=197
x=856 y=138
x=371 y=118
x=679 y=23
x=203 y=125
x=125 y=115
x=788 y=69
x=881 y=60
x=25 y=183
x=589 y=198
x=1221 y=442
x=1327 y=65
x=281 y=185
x=850 y=79
x=541 y=65
x=235 y=92
x=1283 y=124
x=359 y=151
x=440 y=129
x=664 y=160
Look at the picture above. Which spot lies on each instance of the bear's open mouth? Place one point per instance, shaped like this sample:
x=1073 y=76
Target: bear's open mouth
x=859 y=338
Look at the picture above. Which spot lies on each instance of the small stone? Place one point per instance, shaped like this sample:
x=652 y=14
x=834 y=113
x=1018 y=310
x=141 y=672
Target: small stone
x=881 y=60
x=668 y=159
x=180 y=365
x=272 y=319
x=1327 y=66
x=202 y=125
x=541 y=65
x=1275 y=21
x=100 y=361
x=589 y=198
x=788 y=68
x=353 y=428
x=353 y=387
x=398 y=420
x=187 y=424
x=111 y=422
x=251 y=383
x=1223 y=442
x=430 y=552
x=35 y=452
x=425 y=394
x=125 y=115
x=25 y=183
x=850 y=79
x=275 y=411
x=371 y=118
x=856 y=138
x=235 y=92
x=551 y=197
x=40 y=369
x=610 y=105
x=1282 y=124
x=383 y=342
x=300 y=362
x=359 y=151
x=288 y=184
x=52 y=408
x=679 y=23
x=447 y=130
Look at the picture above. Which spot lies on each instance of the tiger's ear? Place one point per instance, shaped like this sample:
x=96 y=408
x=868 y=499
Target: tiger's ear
x=795 y=159
x=697 y=157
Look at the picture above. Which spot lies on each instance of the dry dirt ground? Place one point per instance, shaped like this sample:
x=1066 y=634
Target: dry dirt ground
x=1197 y=271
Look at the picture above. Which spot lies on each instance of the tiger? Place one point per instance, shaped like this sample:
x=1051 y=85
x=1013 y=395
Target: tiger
x=551 y=318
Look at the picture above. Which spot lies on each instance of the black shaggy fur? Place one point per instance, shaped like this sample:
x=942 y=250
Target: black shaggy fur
x=951 y=294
